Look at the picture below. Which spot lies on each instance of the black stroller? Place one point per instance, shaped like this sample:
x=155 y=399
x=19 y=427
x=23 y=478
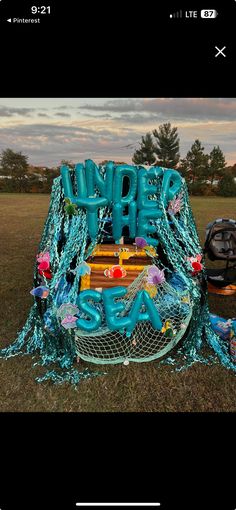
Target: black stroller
x=220 y=244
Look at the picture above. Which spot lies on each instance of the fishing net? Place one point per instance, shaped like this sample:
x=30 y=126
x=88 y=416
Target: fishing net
x=181 y=300
x=145 y=343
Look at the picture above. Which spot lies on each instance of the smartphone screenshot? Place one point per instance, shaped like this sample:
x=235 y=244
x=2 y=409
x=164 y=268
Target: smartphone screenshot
x=118 y=255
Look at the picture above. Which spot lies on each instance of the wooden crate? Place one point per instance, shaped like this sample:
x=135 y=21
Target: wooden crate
x=105 y=256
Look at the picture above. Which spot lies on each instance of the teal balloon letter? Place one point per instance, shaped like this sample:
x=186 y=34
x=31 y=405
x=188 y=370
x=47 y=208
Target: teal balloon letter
x=112 y=309
x=88 y=309
x=122 y=171
x=145 y=189
x=144 y=226
x=150 y=314
x=171 y=185
x=120 y=220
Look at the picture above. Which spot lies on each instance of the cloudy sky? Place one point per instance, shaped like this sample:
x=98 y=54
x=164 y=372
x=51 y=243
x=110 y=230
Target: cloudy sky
x=51 y=129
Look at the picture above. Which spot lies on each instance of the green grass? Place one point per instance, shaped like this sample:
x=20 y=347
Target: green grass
x=138 y=387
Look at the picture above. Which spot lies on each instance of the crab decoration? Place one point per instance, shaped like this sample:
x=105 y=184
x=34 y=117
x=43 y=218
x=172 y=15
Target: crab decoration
x=43 y=260
x=196 y=264
x=115 y=272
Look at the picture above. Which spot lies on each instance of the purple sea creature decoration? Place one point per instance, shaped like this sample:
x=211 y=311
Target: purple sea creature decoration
x=155 y=276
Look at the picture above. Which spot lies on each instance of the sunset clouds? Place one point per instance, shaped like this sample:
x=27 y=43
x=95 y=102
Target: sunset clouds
x=51 y=129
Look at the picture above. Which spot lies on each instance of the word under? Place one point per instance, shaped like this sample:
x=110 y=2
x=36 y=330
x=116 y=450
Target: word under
x=138 y=209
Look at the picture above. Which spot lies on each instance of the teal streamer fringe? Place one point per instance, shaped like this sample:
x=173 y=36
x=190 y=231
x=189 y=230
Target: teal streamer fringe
x=56 y=346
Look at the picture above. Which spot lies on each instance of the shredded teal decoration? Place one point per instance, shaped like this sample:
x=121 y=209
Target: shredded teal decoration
x=176 y=287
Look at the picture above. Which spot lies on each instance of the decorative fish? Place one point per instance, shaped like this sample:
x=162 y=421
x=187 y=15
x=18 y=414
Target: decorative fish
x=83 y=268
x=40 y=291
x=185 y=299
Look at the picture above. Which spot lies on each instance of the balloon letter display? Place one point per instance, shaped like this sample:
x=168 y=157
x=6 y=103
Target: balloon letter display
x=145 y=189
x=171 y=185
x=112 y=309
x=90 y=204
x=144 y=227
x=122 y=171
x=94 y=178
x=88 y=309
x=119 y=221
x=150 y=314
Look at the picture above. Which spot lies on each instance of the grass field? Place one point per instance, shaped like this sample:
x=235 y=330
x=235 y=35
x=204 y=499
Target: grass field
x=138 y=387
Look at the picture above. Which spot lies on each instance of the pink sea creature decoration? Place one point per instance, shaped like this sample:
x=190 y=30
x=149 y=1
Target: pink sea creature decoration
x=174 y=205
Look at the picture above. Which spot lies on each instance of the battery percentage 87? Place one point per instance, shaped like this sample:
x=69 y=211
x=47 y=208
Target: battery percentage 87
x=207 y=13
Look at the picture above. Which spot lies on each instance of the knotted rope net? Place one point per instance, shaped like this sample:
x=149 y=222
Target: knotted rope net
x=181 y=300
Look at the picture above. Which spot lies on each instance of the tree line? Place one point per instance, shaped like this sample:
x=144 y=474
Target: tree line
x=205 y=174
x=16 y=175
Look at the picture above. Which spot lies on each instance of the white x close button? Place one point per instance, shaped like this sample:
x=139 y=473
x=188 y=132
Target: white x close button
x=220 y=52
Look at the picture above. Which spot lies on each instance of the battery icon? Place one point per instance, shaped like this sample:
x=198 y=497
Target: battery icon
x=209 y=13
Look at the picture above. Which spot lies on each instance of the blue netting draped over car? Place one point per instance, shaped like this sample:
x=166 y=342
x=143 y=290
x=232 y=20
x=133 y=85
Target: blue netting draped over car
x=119 y=274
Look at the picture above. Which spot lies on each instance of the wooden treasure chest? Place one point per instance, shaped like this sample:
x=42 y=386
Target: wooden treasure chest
x=113 y=265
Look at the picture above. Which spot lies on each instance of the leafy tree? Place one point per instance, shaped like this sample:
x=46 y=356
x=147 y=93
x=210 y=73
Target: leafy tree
x=184 y=168
x=195 y=165
x=231 y=169
x=227 y=186
x=105 y=161
x=66 y=162
x=216 y=164
x=50 y=174
x=15 y=164
x=145 y=155
x=167 y=146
